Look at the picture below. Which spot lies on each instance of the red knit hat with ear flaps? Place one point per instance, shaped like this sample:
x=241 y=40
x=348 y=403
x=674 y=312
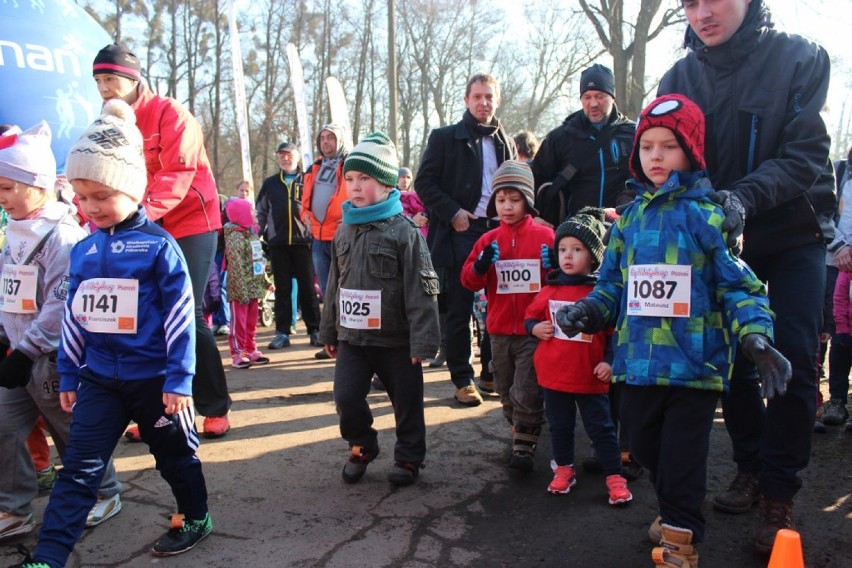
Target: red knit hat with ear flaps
x=681 y=116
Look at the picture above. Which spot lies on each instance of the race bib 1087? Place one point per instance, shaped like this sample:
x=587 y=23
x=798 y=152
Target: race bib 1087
x=659 y=290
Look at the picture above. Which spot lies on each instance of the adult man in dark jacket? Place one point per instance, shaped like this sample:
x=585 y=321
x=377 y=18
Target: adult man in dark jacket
x=279 y=212
x=767 y=155
x=585 y=159
x=454 y=183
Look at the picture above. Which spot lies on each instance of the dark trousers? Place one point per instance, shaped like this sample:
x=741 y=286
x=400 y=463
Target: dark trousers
x=774 y=439
x=209 y=388
x=669 y=431
x=403 y=380
x=290 y=262
x=103 y=410
x=839 y=363
x=561 y=410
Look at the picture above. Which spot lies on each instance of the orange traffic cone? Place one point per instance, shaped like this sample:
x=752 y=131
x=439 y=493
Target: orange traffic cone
x=787 y=550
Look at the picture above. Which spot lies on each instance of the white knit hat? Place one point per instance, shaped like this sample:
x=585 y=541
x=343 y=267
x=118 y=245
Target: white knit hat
x=26 y=156
x=110 y=152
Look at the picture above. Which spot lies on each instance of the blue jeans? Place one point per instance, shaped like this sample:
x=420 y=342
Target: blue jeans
x=321 y=253
x=773 y=440
x=561 y=409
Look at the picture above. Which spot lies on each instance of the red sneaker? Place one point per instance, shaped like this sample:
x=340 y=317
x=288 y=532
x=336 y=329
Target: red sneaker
x=216 y=426
x=132 y=434
x=619 y=494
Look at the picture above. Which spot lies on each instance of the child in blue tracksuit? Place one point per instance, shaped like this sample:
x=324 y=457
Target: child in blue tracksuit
x=679 y=300
x=127 y=345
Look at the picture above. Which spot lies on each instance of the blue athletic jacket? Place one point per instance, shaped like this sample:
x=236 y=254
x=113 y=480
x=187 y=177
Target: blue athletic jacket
x=164 y=342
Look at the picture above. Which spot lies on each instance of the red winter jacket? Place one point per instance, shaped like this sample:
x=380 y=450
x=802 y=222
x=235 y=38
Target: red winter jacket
x=842 y=303
x=561 y=365
x=181 y=191
x=523 y=240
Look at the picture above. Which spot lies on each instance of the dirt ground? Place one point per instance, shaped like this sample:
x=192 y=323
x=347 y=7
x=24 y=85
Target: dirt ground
x=277 y=498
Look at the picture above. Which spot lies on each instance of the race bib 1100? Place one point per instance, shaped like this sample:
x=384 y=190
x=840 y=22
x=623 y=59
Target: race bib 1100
x=518 y=276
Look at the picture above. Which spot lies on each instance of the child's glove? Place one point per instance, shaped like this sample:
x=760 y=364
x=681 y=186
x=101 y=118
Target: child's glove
x=486 y=258
x=582 y=316
x=15 y=370
x=734 y=222
x=548 y=257
x=774 y=369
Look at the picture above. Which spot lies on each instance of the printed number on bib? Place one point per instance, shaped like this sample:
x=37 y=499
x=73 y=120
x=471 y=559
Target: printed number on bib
x=659 y=290
x=18 y=286
x=360 y=309
x=519 y=276
x=554 y=306
x=107 y=305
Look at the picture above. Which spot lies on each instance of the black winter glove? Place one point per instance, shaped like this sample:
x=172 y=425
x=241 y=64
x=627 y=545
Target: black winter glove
x=487 y=257
x=582 y=316
x=734 y=222
x=4 y=349
x=774 y=369
x=15 y=370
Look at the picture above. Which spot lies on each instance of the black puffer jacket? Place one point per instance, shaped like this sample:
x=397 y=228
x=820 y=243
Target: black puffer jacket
x=279 y=211
x=762 y=92
x=599 y=158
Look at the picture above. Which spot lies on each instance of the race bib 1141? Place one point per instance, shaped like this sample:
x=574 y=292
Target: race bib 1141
x=107 y=305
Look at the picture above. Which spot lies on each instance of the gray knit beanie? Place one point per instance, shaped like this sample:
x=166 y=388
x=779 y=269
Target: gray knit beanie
x=375 y=155
x=516 y=175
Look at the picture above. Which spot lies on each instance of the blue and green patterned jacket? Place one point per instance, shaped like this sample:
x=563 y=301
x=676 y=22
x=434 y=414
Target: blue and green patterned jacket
x=679 y=225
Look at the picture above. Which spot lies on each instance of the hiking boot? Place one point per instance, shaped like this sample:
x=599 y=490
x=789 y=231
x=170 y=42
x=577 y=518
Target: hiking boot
x=834 y=413
x=468 y=396
x=740 y=496
x=774 y=516
x=563 y=479
x=215 y=426
x=11 y=525
x=619 y=494
x=655 y=531
x=46 y=478
x=280 y=341
x=819 y=427
x=676 y=549
x=630 y=468
x=105 y=508
x=314 y=339
x=132 y=434
x=356 y=466
x=183 y=535
x=486 y=386
x=404 y=473
x=524 y=440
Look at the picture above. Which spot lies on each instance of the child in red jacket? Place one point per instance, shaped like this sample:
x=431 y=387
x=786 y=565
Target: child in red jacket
x=506 y=261
x=573 y=371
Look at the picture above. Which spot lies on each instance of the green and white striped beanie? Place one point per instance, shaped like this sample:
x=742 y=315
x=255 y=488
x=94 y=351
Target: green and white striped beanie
x=375 y=155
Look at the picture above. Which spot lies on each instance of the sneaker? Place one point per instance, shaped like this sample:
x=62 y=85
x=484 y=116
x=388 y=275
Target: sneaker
x=322 y=355
x=468 y=395
x=28 y=561
x=377 y=384
x=183 y=535
x=819 y=427
x=486 y=386
x=215 y=426
x=563 y=479
x=46 y=478
x=619 y=494
x=132 y=434
x=280 y=341
x=11 y=525
x=630 y=468
x=314 y=339
x=223 y=330
x=774 y=516
x=240 y=363
x=834 y=413
x=105 y=508
x=257 y=358
x=356 y=466
x=404 y=473
x=438 y=361
x=740 y=496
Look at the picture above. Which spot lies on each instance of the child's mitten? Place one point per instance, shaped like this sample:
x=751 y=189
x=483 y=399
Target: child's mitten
x=15 y=370
x=774 y=369
x=548 y=257
x=486 y=258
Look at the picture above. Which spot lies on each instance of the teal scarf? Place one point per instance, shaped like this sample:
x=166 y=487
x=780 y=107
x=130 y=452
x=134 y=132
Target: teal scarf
x=371 y=213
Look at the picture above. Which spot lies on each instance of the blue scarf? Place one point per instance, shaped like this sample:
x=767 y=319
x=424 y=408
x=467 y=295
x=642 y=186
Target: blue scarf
x=376 y=212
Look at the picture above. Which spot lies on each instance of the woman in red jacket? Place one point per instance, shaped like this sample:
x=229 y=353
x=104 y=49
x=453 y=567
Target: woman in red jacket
x=181 y=196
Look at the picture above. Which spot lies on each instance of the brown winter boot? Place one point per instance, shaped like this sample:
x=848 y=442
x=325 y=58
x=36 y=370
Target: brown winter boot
x=524 y=440
x=677 y=550
x=774 y=516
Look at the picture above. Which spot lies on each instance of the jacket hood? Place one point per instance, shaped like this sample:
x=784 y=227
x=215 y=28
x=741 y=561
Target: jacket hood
x=343 y=145
x=757 y=21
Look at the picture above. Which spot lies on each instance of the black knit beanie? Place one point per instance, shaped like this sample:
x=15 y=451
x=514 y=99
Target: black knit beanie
x=597 y=78
x=117 y=60
x=587 y=226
